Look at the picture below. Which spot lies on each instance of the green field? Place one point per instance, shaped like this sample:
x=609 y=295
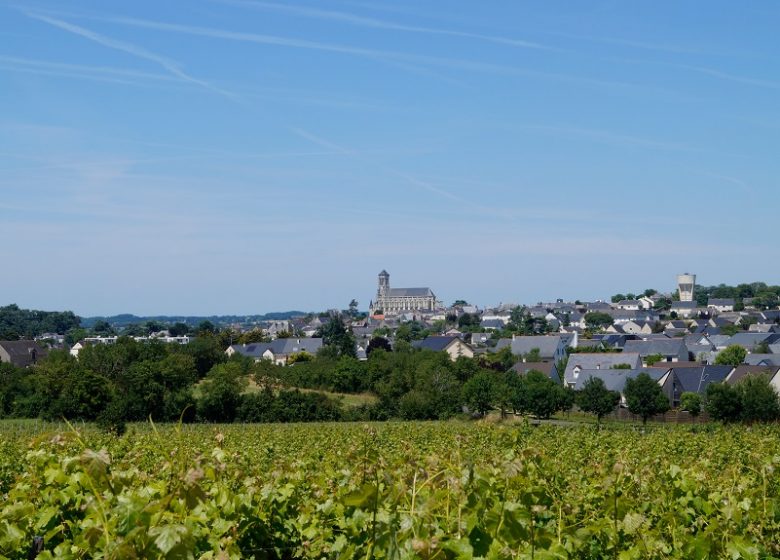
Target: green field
x=394 y=490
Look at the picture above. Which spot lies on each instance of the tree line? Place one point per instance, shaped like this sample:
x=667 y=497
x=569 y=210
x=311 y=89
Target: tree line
x=133 y=381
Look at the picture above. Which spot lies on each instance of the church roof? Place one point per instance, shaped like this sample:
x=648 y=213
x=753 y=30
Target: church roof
x=409 y=292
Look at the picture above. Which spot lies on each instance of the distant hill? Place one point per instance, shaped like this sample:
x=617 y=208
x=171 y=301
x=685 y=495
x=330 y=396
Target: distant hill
x=126 y=319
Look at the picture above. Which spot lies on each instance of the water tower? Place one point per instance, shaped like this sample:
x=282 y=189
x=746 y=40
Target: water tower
x=685 y=285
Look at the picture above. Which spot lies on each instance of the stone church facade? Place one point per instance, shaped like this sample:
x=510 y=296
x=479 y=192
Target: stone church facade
x=401 y=300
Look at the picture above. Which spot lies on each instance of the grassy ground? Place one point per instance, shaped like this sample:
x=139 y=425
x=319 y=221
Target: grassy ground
x=347 y=399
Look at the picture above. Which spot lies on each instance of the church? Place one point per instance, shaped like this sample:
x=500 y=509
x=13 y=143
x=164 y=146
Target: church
x=400 y=300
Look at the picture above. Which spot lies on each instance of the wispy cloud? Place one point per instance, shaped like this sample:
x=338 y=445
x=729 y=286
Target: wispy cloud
x=79 y=71
x=305 y=134
x=734 y=78
x=616 y=138
x=376 y=54
x=362 y=21
x=169 y=65
x=643 y=45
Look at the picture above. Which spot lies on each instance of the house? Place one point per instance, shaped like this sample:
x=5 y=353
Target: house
x=630 y=304
x=638 y=327
x=679 y=380
x=54 y=339
x=277 y=351
x=598 y=306
x=721 y=305
x=749 y=341
x=21 y=353
x=492 y=324
x=550 y=347
x=763 y=327
x=744 y=370
x=479 y=339
x=581 y=361
x=548 y=368
x=763 y=359
x=670 y=349
x=684 y=308
x=614 y=379
x=591 y=344
x=452 y=345
x=361 y=352
x=647 y=303
x=614 y=340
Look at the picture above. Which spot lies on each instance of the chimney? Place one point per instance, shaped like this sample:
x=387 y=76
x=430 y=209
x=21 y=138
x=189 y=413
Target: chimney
x=598 y=366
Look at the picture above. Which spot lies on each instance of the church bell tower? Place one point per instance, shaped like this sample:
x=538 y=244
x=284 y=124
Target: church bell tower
x=384 y=284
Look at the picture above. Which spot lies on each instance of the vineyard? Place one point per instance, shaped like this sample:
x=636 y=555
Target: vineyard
x=394 y=490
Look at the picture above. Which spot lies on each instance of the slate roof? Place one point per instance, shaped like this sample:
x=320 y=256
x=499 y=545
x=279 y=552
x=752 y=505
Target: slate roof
x=763 y=359
x=745 y=370
x=616 y=340
x=255 y=350
x=23 y=353
x=589 y=343
x=719 y=302
x=409 y=292
x=696 y=379
x=435 y=343
x=292 y=345
x=547 y=345
x=665 y=347
x=748 y=340
x=547 y=368
x=614 y=379
x=719 y=339
x=280 y=346
x=599 y=361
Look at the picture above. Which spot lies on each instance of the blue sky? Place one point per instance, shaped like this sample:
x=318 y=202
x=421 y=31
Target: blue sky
x=238 y=156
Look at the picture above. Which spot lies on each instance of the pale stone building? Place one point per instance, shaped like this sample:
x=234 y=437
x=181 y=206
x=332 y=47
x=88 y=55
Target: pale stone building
x=401 y=300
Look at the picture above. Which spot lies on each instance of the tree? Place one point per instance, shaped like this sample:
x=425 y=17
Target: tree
x=758 y=398
x=378 y=343
x=645 y=397
x=479 y=393
x=206 y=351
x=653 y=359
x=762 y=348
x=459 y=302
x=353 y=308
x=220 y=394
x=178 y=329
x=253 y=336
x=544 y=397
x=723 y=402
x=691 y=402
x=597 y=399
x=206 y=327
x=338 y=337
x=534 y=355
x=103 y=328
x=469 y=321
x=85 y=394
x=733 y=355
x=598 y=320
